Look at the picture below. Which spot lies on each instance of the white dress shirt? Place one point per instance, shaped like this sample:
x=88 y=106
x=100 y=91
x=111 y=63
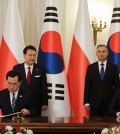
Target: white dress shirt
x=99 y=65
x=11 y=95
x=26 y=68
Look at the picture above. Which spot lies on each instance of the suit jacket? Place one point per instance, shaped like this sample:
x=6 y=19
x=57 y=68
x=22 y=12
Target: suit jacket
x=37 y=86
x=99 y=92
x=115 y=104
x=24 y=100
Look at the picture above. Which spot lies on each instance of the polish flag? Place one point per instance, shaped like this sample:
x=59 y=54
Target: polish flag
x=12 y=43
x=50 y=56
x=82 y=54
x=114 y=36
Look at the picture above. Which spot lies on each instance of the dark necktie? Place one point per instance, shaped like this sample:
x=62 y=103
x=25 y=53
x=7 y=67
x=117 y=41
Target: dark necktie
x=13 y=102
x=102 y=71
x=28 y=75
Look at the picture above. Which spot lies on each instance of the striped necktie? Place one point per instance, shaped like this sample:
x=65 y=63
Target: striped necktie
x=13 y=102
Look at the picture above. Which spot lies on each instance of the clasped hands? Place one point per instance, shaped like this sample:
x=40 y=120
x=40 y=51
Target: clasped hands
x=87 y=107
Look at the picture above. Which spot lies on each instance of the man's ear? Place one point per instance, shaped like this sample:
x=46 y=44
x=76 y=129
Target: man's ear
x=20 y=82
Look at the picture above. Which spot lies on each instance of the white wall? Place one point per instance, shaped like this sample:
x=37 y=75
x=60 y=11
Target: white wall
x=32 y=15
x=103 y=8
x=96 y=8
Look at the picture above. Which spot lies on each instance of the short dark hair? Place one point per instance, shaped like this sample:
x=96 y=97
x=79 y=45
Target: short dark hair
x=101 y=45
x=28 y=47
x=13 y=73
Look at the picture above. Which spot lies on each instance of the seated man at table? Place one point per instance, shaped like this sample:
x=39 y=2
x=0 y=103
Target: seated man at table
x=15 y=99
x=114 y=108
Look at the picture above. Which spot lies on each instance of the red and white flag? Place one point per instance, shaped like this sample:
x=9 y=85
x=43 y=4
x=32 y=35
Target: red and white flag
x=82 y=54
x=12 y=43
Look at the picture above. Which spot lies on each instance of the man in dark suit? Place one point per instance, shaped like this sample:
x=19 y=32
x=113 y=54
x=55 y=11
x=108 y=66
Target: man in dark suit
x=37 y=83
x=114 y=108
x=102 y=79
x=14 y=98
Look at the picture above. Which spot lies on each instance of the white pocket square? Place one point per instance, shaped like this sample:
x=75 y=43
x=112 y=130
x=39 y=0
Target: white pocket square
x=37 y=76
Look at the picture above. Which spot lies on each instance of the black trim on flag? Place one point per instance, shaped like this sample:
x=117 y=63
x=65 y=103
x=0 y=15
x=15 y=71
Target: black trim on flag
x=49 y=97
x=49 y=90
x=51 y=14
x=60 y=85
x=59 y=98
x=49 y=84
x=51 y=8
x=116 y=15
x=115 y=21
x=59 y=92
x=116 y=9
x=51 y=20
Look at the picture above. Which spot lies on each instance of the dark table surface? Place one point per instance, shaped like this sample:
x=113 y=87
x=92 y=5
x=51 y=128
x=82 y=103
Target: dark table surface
x=68 y=124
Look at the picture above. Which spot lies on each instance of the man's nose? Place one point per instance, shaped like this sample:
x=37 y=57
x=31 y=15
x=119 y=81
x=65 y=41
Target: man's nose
x=32 y=56
x=11 y=86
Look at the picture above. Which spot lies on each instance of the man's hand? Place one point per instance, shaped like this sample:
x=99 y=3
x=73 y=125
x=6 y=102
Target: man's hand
x=87 y=107
x=25 y=112
x=44 y=108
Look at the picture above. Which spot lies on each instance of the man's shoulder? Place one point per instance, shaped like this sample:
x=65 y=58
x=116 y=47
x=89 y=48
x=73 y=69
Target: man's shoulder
x=38 y=67
x=18 y=65
x=24 y=91
x=93 y=64
x=4 y=91
x=110 y=64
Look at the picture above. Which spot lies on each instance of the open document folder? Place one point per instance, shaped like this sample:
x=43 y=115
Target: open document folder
x=2 y=116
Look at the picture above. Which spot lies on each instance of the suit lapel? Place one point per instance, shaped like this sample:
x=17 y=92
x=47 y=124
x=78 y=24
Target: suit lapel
x=34 y=71
x=8 y=102
x=18 y=101
x=24 y=74
x=97 y=71
x=108 y=67
x=32 y=76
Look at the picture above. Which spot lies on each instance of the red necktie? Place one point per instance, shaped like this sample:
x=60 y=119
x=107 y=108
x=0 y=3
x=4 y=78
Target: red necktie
x=28 y=75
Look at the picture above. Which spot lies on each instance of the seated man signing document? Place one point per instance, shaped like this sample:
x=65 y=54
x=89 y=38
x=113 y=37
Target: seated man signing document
x=15 y=99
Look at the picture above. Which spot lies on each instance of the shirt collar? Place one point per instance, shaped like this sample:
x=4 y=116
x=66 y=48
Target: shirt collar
x=26 y=66
x=105 y=62
x=16 y=93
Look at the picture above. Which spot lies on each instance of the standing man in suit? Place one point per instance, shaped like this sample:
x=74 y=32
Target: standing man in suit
x=14 y=98
x=37 y=83
x=102 y=79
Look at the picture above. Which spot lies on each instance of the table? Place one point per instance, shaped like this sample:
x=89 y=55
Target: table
x=68 y=124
